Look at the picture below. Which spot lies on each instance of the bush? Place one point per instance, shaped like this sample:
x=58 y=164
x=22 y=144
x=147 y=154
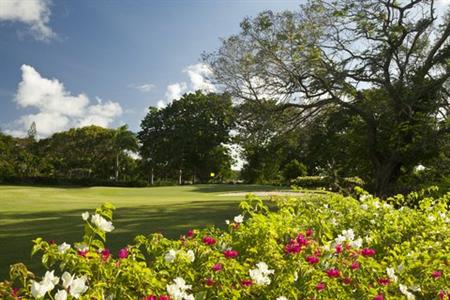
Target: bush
x=316 y=182
x=320 y=247
x=72 y=181
x=293 y=169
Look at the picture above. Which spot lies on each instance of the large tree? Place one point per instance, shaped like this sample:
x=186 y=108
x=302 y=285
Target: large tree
x=356 y=56
x=188 y=137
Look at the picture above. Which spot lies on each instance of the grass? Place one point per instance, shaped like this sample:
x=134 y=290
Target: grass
x=54 y=213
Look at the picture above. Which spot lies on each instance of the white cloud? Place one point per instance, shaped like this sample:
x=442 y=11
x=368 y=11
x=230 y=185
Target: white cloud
x=198 y=80
x=57 y=108
x=143 y=87
x=175 y=91
x=198 y=75
x=35 y=13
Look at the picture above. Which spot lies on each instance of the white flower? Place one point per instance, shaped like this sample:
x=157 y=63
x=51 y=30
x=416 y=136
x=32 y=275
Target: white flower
x=63 y=248
x=364 y=197
x=67 y=279
x=38 y=290
x=227 y=222
x=333 y=222
x=364 y=206
x=51 y=278
x=404 y=289
x=190 y=255
x=260 y=275
x=85 y=216
x=82 y=247
x=326 y=206
x=61 y=295
x=386 y=205
x=373 y=222
x=415 y=288
x=376 y=204
x=177 y=290
x=356 y=243
x=391 y=274
x=170 y=255
x=431 y=218
x=239 y=219
x=282 y=298
x=348 y=234
x=78 y=287
x=101 y=223
x=295 y=276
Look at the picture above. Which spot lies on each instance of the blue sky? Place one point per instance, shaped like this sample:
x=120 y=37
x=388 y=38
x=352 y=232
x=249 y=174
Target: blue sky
x=73 y=63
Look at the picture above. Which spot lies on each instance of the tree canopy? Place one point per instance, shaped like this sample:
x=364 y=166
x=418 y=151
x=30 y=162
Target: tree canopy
x=386 y=62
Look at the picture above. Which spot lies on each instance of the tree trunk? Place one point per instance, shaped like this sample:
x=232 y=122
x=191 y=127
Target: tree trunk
x=386 y=175
x=152 y=177
x=117 y=167
x=180 y=177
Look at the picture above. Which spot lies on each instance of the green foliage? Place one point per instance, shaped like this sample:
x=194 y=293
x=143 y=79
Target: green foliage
x=294 y=169
x=188 y=135
x=316 y=246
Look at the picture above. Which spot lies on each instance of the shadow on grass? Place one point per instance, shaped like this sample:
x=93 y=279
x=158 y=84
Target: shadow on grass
x=18 y=230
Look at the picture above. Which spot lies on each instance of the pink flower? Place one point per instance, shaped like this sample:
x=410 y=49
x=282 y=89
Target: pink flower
x=106 y=254
x=246 y=282
x=436 y=274
x=52 y=242
x=217 y=267
x=292 y=248
x=355 y=265
x=209 y=282
x=301 y=239
x=320 y=286
x=368 y=252
x=338 y=248
x=15 y=292
x=151 y=297
x=378 y=297
x=190 y=233
x=384 y=281
x=347 y=280
x=208 y=240
x=164 y=298
x=312 y=259
x=82 y=252
x=230 y=253
x=123 y=253
x=309 y=232
x=441 y=295
x=333 y=273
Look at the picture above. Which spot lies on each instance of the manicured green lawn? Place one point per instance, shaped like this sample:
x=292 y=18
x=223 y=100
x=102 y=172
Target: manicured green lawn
x=54 y=213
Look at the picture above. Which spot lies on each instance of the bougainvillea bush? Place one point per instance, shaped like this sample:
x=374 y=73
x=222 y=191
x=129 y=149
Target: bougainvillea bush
x=315 y=247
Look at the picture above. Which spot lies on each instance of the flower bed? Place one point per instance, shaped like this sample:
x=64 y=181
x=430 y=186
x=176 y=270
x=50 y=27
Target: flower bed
x=317 y=247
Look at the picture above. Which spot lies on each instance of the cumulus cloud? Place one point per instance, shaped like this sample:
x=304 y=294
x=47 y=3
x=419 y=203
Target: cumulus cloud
x=198 y=80
x=142 y=87
x=34 y=13
x=57 y=108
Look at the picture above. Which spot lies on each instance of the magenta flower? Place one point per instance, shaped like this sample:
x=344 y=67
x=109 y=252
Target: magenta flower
x=301 y=240
x=436 y=274
x=209 y=282
x=106 y=254
x=347 y=280
x=338 y=248
x=164 y=298
x=123 y=253
x=217 y=267
x=368 y=252
x=208 y=240
x=82 y=252
x=312 y=259
x=333 y=273
x=378 y=297
x=320 y=286
x=309 y=232
x=246 y=282
x=355 y=265
x=151 y=297
x=384 y=281
x=190 y=233
x=230 y=253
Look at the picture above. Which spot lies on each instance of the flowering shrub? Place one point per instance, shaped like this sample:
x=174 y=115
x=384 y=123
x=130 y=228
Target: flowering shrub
x=316 y=247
